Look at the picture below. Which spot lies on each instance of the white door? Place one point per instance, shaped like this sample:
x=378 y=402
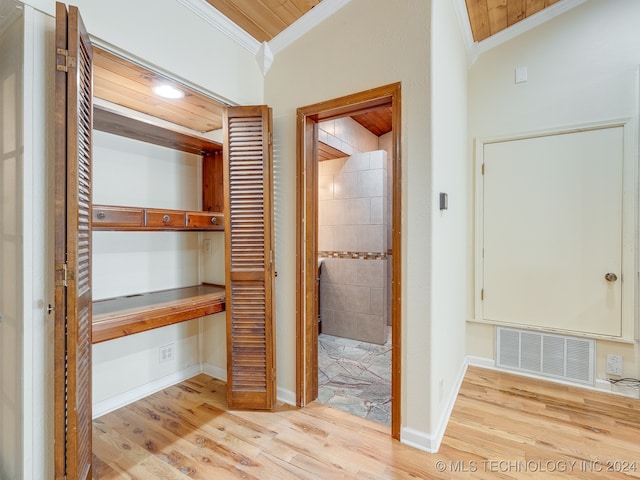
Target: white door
x=553 y=231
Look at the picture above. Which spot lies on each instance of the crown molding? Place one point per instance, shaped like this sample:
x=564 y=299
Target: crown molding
x=213 y=17
x=465 y=29
x=264 y=57
x=309 y=20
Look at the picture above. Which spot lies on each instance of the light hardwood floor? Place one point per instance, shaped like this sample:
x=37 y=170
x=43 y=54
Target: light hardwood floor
x=502 y=426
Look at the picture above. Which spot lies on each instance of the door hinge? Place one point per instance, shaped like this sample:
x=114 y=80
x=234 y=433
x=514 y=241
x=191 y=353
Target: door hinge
x=270 y=138
x=63 y=65
x=483 y=169
x=482 y=294
x=61 y=275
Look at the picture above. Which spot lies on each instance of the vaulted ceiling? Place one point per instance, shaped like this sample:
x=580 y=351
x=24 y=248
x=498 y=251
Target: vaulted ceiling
x=488 y=17
x=265 y=21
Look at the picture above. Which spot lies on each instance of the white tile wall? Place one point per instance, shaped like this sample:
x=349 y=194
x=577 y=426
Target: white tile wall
x=353 y=216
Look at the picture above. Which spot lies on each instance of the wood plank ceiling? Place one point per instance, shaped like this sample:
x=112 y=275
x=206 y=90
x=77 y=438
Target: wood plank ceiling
x=124 y=83
x=263 y=19
x=129 y=85
x=488 y=17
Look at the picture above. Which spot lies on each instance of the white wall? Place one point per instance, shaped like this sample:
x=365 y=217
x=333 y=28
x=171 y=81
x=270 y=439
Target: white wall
x=450 y=174
x=11 y=239
x=368 y=43
x=26 y=333
x=166 y=34
x=133 y=173
x=582 y=68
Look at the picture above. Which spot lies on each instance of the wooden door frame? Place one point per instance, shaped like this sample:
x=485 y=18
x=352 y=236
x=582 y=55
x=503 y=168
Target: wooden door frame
x=307 y=237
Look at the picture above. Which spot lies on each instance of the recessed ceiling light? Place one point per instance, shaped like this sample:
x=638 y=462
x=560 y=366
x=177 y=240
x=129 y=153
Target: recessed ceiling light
x=168 y=91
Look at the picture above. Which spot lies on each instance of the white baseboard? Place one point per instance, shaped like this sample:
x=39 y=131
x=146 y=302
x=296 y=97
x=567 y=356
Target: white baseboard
x=601 y=385
x=113 y=403
x=480 y=362
x=215 y=372
x=286 y=396
x=119 y=401
x=283 y=395
x=431 y=442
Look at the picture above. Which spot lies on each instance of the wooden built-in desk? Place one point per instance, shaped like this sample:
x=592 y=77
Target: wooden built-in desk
x=121 y=316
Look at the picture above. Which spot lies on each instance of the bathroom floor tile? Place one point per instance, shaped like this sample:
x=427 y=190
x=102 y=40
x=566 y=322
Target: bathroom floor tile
x=355 y=376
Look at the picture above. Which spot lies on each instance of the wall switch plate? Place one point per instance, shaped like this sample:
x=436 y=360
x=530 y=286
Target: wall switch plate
x=614 y=364
x=167 y=352
x=521 y=74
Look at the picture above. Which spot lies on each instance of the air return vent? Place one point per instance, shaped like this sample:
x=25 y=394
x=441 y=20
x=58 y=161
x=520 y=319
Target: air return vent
x=558 y=356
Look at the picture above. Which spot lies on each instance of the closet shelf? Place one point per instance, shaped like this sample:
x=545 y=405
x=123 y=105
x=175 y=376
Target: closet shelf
x=109 y=121
x=111 y=217
x=122 y=316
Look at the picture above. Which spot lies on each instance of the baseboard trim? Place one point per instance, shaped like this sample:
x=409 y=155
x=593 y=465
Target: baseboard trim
x=286 y=396
x=431 y=442
x=119 y=401
x=601 y=385
x=480 y=362
x=215 y=372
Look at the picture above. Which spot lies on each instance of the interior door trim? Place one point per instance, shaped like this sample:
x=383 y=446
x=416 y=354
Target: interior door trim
x=630 y=189
x=307 y=235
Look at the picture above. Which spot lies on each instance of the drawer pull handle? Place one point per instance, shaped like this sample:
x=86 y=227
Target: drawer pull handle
x=165 y=218
x=214 y=220
x=101 y=215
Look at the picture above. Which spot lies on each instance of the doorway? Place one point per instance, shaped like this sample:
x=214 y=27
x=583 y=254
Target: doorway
x=382 y=99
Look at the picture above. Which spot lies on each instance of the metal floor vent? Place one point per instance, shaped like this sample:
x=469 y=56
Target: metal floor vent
x=557 y=356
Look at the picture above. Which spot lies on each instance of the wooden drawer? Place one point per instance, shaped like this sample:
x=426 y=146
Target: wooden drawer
x=165 y=219
x=205 y=220
x=105 y=217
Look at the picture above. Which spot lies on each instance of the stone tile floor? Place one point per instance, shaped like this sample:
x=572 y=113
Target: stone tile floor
x=355 y=377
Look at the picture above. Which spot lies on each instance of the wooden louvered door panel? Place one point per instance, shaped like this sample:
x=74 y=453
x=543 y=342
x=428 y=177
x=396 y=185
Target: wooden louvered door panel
x=249 y=258
x=73 y=245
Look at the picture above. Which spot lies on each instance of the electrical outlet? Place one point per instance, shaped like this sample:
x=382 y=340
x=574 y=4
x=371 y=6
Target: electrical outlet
x=207 y=246
x=167 y=352
x=614 y=364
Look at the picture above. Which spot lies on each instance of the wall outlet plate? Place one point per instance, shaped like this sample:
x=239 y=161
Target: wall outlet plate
x=167 y=353
x=614 y=364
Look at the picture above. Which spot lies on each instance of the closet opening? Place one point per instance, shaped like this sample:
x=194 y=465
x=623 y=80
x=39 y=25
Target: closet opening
x=349 y=255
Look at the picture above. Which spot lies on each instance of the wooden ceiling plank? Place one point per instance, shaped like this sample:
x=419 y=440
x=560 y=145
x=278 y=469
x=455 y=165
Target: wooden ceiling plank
x=497 y=11
x=377 y=121
x=327 y=152
x=516 y=11
x=106 y=63
x=479 y=19
x=287 y=11
x=146 y=104
x=241 y=13
x=534 y=6
x=107 y=88
x=188 y=101
x=125 y=83
x=304 y=6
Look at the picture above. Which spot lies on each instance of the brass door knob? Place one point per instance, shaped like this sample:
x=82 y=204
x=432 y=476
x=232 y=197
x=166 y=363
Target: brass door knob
x=610 y=277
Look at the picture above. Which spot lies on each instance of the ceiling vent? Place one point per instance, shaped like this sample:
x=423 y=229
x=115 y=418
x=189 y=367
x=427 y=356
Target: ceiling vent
x=558 y=356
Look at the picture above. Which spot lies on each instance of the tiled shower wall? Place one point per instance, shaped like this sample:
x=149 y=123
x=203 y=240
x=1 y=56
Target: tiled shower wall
x=352 y=239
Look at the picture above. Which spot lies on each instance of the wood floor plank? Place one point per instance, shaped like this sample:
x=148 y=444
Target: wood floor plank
x=502 y=426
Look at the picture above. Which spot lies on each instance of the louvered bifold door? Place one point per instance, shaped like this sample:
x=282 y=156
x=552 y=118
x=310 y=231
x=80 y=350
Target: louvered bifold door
x=73 y=242
x=249 y=258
